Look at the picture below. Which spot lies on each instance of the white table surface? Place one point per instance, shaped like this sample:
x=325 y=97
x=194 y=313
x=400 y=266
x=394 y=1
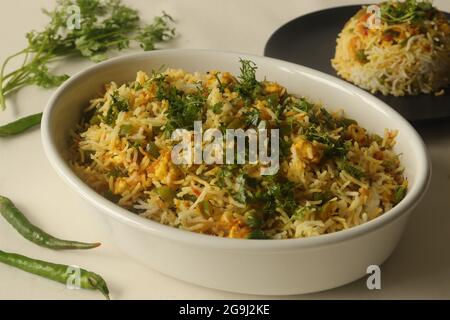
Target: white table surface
x=419 y=267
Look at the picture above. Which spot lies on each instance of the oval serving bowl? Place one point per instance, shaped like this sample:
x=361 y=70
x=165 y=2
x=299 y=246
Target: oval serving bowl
x=267 y=267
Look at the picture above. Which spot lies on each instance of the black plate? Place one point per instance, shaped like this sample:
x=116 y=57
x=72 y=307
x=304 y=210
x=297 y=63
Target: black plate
x=310 y=40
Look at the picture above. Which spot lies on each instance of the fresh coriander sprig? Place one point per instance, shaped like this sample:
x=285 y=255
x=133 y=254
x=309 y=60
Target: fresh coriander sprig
x=394 y=11
x=105 y=25
x=247 y=79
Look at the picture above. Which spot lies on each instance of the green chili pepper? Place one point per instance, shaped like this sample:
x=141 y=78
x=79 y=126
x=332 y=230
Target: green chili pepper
x=165 y=193
x=205 y=208
x=125 y=130
x=399 y=194
x=19 y=222
x=56 y=272
x=153 y=149
x=20 y=125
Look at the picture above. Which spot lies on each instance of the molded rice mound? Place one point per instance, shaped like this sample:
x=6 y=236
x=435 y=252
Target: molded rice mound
x=395 y=58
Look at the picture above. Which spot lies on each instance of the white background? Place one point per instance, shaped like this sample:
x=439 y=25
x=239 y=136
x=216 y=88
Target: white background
x=419 y=267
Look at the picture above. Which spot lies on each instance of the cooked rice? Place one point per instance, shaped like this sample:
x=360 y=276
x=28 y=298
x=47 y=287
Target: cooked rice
x=400 y=59
x=333 y=174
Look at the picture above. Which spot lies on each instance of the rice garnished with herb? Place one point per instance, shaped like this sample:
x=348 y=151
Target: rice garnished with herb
x=406 y=53
x=333 y=174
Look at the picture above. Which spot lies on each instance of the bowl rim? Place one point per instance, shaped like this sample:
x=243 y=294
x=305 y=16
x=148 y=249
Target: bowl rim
x=122 y=215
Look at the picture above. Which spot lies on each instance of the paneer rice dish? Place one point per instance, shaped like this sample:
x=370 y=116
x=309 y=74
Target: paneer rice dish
x=396 y=48
x=333 y=174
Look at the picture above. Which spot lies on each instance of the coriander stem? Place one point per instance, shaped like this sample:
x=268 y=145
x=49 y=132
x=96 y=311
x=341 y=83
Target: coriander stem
x=19 y=77
x=27 y=54
x=2 y=72
x=18 y=80
x=16 y=86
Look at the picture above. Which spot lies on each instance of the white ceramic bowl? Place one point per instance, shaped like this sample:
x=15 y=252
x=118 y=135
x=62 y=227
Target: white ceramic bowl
x=268 y=267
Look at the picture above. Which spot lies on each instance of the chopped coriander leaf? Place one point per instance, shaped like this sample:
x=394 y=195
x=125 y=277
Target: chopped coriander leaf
x=286 y=128
x=217 y=108
x=184 y=109
x=95 y=120
x=301 y=105
x=241 y=194
x=116 y=173
x=285 y=146
x=221 y=86
x=247 y=79
x=328 y=119
x=288 y=204
x=273 y=100
x=324 y=196
x=361 y=56
x=253 y=219
x=394 y=12
x=159 y=31
x=304 y=105
x=118 y=104
x=351 y=169
x=333 y=147
x=42 y=77
x=299 y=213
x=279 y=109
x=224 y=173
x=276 y=192
x=252 y=117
